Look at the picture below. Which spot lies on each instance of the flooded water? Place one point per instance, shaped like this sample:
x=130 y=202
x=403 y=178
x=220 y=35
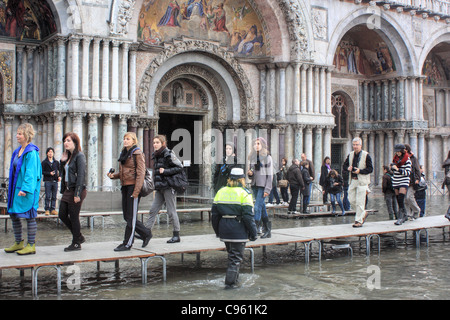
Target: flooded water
x=399 y=271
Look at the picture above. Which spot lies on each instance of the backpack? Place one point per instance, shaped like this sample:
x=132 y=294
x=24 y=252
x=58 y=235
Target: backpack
x=178 y=181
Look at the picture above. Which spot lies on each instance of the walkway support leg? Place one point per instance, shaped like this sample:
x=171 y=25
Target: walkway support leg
x=144 y=263
x=34 y=278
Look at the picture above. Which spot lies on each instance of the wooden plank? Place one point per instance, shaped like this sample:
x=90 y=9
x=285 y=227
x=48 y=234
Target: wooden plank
x=55 y=255
x=285 y=215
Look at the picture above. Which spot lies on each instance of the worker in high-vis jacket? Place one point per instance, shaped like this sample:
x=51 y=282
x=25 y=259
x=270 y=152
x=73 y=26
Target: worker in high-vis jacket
x=233 y=221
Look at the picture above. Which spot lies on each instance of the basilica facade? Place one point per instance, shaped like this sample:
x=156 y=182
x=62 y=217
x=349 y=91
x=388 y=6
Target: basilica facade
x=309 y=75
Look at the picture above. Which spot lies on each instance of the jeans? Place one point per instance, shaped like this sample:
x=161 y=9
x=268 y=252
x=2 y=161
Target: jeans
x=422 y=204
x=345 y=201
x=51 y=189
x=336 y=197
x=391 y=204
x=260 y=206
x=274 y=193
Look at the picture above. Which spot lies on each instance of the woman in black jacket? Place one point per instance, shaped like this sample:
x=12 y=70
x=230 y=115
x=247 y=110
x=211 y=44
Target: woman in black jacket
x=307 y=180
x=73 y=188
x=334 y=186
x=167 y=165
x=324 y=170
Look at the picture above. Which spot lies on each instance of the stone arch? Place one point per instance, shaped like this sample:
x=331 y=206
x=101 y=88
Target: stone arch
x=387 y=28
x=230 y=75
x=443 y=35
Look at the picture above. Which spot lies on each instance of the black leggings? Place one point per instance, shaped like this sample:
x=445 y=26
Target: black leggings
x=69 y=213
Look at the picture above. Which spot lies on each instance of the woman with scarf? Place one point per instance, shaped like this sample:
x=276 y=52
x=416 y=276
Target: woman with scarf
x=73 y=172
x=261 y=175
x=131 y=174
x=166 y=165
x=23 y=190
x=401 y=168
x=223 y=170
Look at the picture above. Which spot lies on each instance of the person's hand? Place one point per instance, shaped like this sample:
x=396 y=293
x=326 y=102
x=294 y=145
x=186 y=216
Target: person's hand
x=76 y=199
x=21 y=194
x=110 y=175
x=161 y=170
x=265 y=194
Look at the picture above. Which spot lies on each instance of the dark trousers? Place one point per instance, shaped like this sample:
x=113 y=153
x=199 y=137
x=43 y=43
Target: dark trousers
x=294 y=196
x=235 y=256
x=51 y=189
x=284 y=194
x=69 y=213
x=130 y=216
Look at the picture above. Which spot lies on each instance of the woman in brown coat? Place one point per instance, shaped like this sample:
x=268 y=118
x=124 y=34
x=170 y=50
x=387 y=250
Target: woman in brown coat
x=131 y=174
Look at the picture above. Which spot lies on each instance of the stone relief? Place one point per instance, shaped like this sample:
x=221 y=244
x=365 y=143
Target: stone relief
x=320 y=23
x=118 y=26
x=7 y=73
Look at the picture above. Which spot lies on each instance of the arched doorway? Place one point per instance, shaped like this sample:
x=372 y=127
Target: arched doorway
x=341 y=105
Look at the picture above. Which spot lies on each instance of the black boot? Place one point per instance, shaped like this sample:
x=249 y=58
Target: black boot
x=401 y=217
x=175 y=238
x=258 y=226
x=231 y=278
x=267 y=229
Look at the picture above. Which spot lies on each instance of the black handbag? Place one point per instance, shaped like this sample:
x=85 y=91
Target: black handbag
x=178 y=181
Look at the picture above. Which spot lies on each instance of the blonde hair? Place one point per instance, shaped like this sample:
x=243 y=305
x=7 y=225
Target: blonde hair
x=236 y=183
x=27 y=130
x=132 y=135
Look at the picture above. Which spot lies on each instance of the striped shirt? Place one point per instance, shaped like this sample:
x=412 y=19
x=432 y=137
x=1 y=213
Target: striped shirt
x=400 y=179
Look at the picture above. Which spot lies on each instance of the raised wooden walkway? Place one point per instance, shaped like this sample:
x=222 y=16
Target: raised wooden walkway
x=55 y=257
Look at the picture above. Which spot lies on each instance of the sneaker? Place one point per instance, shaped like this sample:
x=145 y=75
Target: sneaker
x=47 y=212
x=54 y=212
x=122 y=247
x=73 y=247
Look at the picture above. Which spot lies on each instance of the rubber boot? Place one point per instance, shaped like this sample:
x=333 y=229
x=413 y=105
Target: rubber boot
x=258 y=227
x=231 y=277
x=267 y=229
x=175 y=238
x=15 y=247
x=29 y=249
x=401 y=217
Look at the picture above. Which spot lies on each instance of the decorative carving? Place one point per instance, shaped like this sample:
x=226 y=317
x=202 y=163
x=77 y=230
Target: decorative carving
x=7 y=73
x=118 y=23
x=228 y=61
x=320 y=23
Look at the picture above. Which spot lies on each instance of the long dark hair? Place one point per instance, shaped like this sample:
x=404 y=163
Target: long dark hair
x=76 y=140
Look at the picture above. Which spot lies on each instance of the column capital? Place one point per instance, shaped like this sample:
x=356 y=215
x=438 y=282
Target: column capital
x=93 y=116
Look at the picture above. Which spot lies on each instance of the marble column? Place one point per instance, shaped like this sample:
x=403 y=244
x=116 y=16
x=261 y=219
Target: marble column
x=298 y=141
x=317 y=153
x=310 y=94
x=380 y=156
x=123 y=127
x=75 y=42
x=401 y=98
x=30 y=74
x=322 y=86
x=77 y=125
x=328 y=93
x=413 y=141
x=115 y=70
x=421 y=147
x=327 y=141
x=262 y=92
x=44 y=120
x=271 y=93
x=19 y=72
x=2 y=145
x=107 y=155
x=61 y=68
x=372 y=153
x=96 y=68
x=378 y=102
x=124 y=82
x=303 y=89
x=92 y=154
x=58 y=134
x=132 y=73
x=316 y=108
x=8 y=149
x=85 y=67
x=105 y=70
x=371 y=101
x=146 y=143
x=400 y=136
x=385 y=99
x=429 y=160
x=420 y=97
x=38 y=137
x=365 y=115
x=413 y=98
x=308 y=142
x=393 y=100
x=365 y=142
x=445 y=146
x=296 y=91
x=282 y=90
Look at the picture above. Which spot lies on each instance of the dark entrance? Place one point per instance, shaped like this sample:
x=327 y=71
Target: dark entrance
x=168 y=123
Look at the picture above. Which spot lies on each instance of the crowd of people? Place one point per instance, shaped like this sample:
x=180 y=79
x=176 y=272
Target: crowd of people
x=238 y=213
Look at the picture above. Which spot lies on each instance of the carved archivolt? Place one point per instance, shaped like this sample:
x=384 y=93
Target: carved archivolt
x=227 y=60
x=219 y=101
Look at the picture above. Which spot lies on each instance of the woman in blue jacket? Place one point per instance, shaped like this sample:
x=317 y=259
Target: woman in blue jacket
x=23 y=191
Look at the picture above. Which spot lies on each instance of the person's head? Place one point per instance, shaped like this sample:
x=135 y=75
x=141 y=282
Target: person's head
x=259 y=144
x=333 y=173
x=357 y=144
x=326 y=160
x=399 y=149
x=50 y=152
x=129 y=140
x=159 y=141
x=408 y=148
x=71 y=142
x=386 y=169
x=296 y=162
x=303 y=156
x=25 y=133
x=229 y=149
x=237 y=178
x=305 y=164
x=284 y=161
